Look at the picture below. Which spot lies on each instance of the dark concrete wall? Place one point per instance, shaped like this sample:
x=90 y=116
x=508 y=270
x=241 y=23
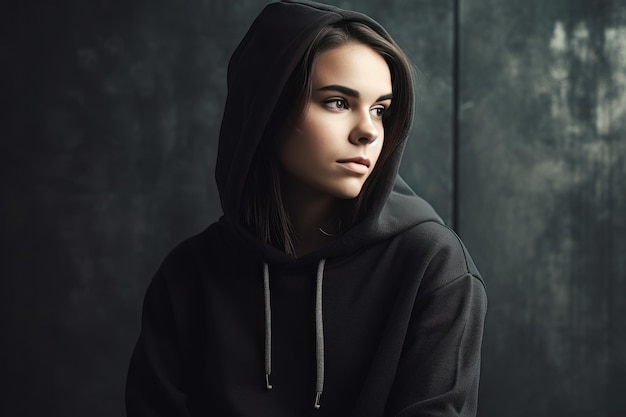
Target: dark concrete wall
x=108 y=140
x=542 y=200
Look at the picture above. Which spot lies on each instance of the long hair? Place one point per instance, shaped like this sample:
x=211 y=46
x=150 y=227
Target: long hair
x=264 y=212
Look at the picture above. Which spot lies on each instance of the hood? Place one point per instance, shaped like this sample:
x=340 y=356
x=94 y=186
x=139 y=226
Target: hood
x=257 y=72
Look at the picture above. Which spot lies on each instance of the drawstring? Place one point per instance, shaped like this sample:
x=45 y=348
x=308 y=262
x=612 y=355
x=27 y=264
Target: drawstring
x=319 y=331
x=268 y=326
x=319 y=334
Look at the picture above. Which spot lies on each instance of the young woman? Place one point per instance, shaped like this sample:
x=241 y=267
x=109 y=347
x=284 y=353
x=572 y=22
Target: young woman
x=328 y=287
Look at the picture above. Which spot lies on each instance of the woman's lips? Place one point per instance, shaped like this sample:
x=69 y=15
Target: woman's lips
x=357 y=165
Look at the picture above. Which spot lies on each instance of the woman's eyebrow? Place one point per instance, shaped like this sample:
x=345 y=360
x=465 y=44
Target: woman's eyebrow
x=341 y=89
x=351 y=92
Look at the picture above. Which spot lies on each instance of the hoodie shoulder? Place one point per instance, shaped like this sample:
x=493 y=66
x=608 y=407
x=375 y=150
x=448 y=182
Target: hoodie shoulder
x=444 y=256
x=194 y=250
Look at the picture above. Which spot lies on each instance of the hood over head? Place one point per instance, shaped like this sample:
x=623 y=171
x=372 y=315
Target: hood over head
x=257 y=72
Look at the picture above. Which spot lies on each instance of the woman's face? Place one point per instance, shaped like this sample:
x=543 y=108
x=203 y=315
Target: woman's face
x=335 y=144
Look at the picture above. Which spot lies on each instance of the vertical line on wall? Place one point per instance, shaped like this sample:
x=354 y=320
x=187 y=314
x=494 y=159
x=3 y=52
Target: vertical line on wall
x=455 y=113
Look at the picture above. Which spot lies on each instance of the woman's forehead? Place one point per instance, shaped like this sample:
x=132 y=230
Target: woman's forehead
x=353 y=65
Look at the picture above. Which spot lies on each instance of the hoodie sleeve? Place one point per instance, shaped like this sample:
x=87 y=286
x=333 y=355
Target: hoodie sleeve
x=439 y=368
x=154 y=385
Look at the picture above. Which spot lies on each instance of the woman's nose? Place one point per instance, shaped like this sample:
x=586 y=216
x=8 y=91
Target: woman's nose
x=365 y=131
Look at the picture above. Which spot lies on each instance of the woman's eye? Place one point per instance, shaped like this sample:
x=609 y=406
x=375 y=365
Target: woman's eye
x=378 y=111
x=336 y=104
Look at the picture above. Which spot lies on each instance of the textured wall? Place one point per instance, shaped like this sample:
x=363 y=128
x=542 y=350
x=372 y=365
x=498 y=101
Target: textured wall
x=108 y=145
x=543 y=200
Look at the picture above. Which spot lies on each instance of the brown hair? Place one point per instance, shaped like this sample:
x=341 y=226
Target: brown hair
x=264 y=211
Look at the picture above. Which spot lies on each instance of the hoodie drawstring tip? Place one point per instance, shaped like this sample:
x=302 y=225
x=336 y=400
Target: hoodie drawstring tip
x=267 y=382
x=317 y=400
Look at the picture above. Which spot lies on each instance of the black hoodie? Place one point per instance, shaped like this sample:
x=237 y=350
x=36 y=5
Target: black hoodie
x=385 y=320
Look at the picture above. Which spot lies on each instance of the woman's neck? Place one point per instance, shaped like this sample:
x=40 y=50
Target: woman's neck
x=310 y=211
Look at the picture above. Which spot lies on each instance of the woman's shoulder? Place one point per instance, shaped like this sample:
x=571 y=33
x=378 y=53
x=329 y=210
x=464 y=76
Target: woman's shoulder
x=440 y=251
x=432 y=235
x=202 y=246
